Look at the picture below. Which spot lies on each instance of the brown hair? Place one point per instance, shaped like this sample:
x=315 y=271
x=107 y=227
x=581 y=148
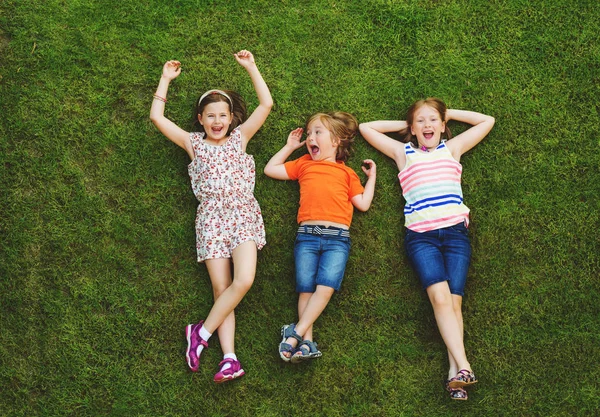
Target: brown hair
x=343 y=127
x=433 y=102
x=237 y=106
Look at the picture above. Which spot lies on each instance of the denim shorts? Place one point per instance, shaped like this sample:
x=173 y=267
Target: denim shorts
x=440 y=255
x=320 y=259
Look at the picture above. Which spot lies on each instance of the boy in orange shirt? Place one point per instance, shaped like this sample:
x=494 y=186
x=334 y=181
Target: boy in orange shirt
x=329 y=191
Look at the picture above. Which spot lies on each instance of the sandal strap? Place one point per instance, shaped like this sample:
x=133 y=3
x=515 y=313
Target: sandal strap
x=312 y=346
x=290 y=331
x=304 y=348
x=233 y=368
x=465 y=375
x=286 y=347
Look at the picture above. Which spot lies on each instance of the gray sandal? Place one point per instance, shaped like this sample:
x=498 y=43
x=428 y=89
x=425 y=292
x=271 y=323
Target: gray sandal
x=289 y=330
x=305 y=351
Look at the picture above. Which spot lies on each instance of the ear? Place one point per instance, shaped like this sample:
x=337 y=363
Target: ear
x=200 y=119
x=443 y=127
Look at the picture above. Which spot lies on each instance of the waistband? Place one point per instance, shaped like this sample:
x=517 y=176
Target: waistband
x=322 y=230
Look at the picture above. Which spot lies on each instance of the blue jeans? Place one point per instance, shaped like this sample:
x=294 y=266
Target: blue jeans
x=320 y=260
x=440 y=255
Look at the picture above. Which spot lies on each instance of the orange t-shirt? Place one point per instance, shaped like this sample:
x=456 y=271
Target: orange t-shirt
x=326 y=189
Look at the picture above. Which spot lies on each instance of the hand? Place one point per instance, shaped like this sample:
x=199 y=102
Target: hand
x=293 y=140
x=244 y=58
x=369 y=168
x=171 y=69
x=448 y=115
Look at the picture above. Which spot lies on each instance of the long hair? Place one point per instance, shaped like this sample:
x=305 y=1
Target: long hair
x=237 y=107
x=433 y=102
x=343 y=127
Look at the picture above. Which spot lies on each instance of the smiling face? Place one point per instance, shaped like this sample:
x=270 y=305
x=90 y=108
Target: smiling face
x=427 y=126
x=321 y=144
x=215 y=119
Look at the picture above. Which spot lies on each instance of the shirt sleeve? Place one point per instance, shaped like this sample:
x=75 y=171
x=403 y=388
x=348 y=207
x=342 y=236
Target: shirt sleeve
x=293 y=167
x=355 y=187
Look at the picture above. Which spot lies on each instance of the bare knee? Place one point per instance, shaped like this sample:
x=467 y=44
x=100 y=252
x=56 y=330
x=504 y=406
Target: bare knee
x=219 y=289
x=242 y=284
x=324 y=292
x=457 y=309
x=457 y=305
x=441 y=300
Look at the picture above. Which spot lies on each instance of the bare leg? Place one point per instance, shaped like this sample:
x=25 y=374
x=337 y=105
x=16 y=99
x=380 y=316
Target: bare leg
x=219 y=271
x=314 y=307
x=448 y=324
x=303 y=300
x=457 y=306
x=244 y=261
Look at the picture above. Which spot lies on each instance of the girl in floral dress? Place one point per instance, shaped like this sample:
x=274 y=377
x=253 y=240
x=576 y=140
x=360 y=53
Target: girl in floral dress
x=229 y=225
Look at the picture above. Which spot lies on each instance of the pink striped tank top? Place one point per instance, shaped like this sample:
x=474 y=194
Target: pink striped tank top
x=430 y=184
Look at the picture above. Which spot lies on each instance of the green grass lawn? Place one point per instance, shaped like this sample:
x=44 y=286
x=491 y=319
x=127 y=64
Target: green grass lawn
x=97 y=250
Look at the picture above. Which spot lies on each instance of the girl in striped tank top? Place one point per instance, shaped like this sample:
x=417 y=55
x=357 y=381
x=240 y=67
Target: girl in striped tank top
x=436 y=218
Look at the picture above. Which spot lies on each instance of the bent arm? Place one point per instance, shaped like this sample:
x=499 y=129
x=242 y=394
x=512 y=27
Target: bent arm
x=363 y=201
x=482 y=124
x=374 y=133
x=275 y=167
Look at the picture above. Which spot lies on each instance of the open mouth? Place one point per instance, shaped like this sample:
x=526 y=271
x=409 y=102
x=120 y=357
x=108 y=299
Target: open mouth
x=427 y=135
x=314 y=150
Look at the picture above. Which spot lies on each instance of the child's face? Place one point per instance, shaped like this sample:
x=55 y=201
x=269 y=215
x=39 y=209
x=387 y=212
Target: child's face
x=320 y=143
x=428 y=126
x=215 y=119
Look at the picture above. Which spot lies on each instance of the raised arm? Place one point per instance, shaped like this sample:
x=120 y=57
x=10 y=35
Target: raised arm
x=363 y=201
x=374 y=133
x=265 y=101
x=275 y=167
x=177 y=135
x=482 y=124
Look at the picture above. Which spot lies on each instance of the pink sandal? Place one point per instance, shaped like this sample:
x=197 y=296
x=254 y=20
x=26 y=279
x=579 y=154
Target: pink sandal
x=233 y=372
x=463 y=378
x=456 y=393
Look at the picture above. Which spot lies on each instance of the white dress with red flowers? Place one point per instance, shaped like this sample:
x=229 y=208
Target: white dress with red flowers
x=223 y=179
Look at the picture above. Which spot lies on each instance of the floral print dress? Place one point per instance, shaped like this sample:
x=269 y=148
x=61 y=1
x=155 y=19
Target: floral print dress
x=223 y=179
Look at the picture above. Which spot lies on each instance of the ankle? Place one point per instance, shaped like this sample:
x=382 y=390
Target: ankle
x=204 y=334
x=292 y=341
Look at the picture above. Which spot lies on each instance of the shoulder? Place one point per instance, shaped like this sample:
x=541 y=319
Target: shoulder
x=196 y=138
x=447 y=147
x=235 y=134
x=408 y=148
x=303 y=160
x=295 y=166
